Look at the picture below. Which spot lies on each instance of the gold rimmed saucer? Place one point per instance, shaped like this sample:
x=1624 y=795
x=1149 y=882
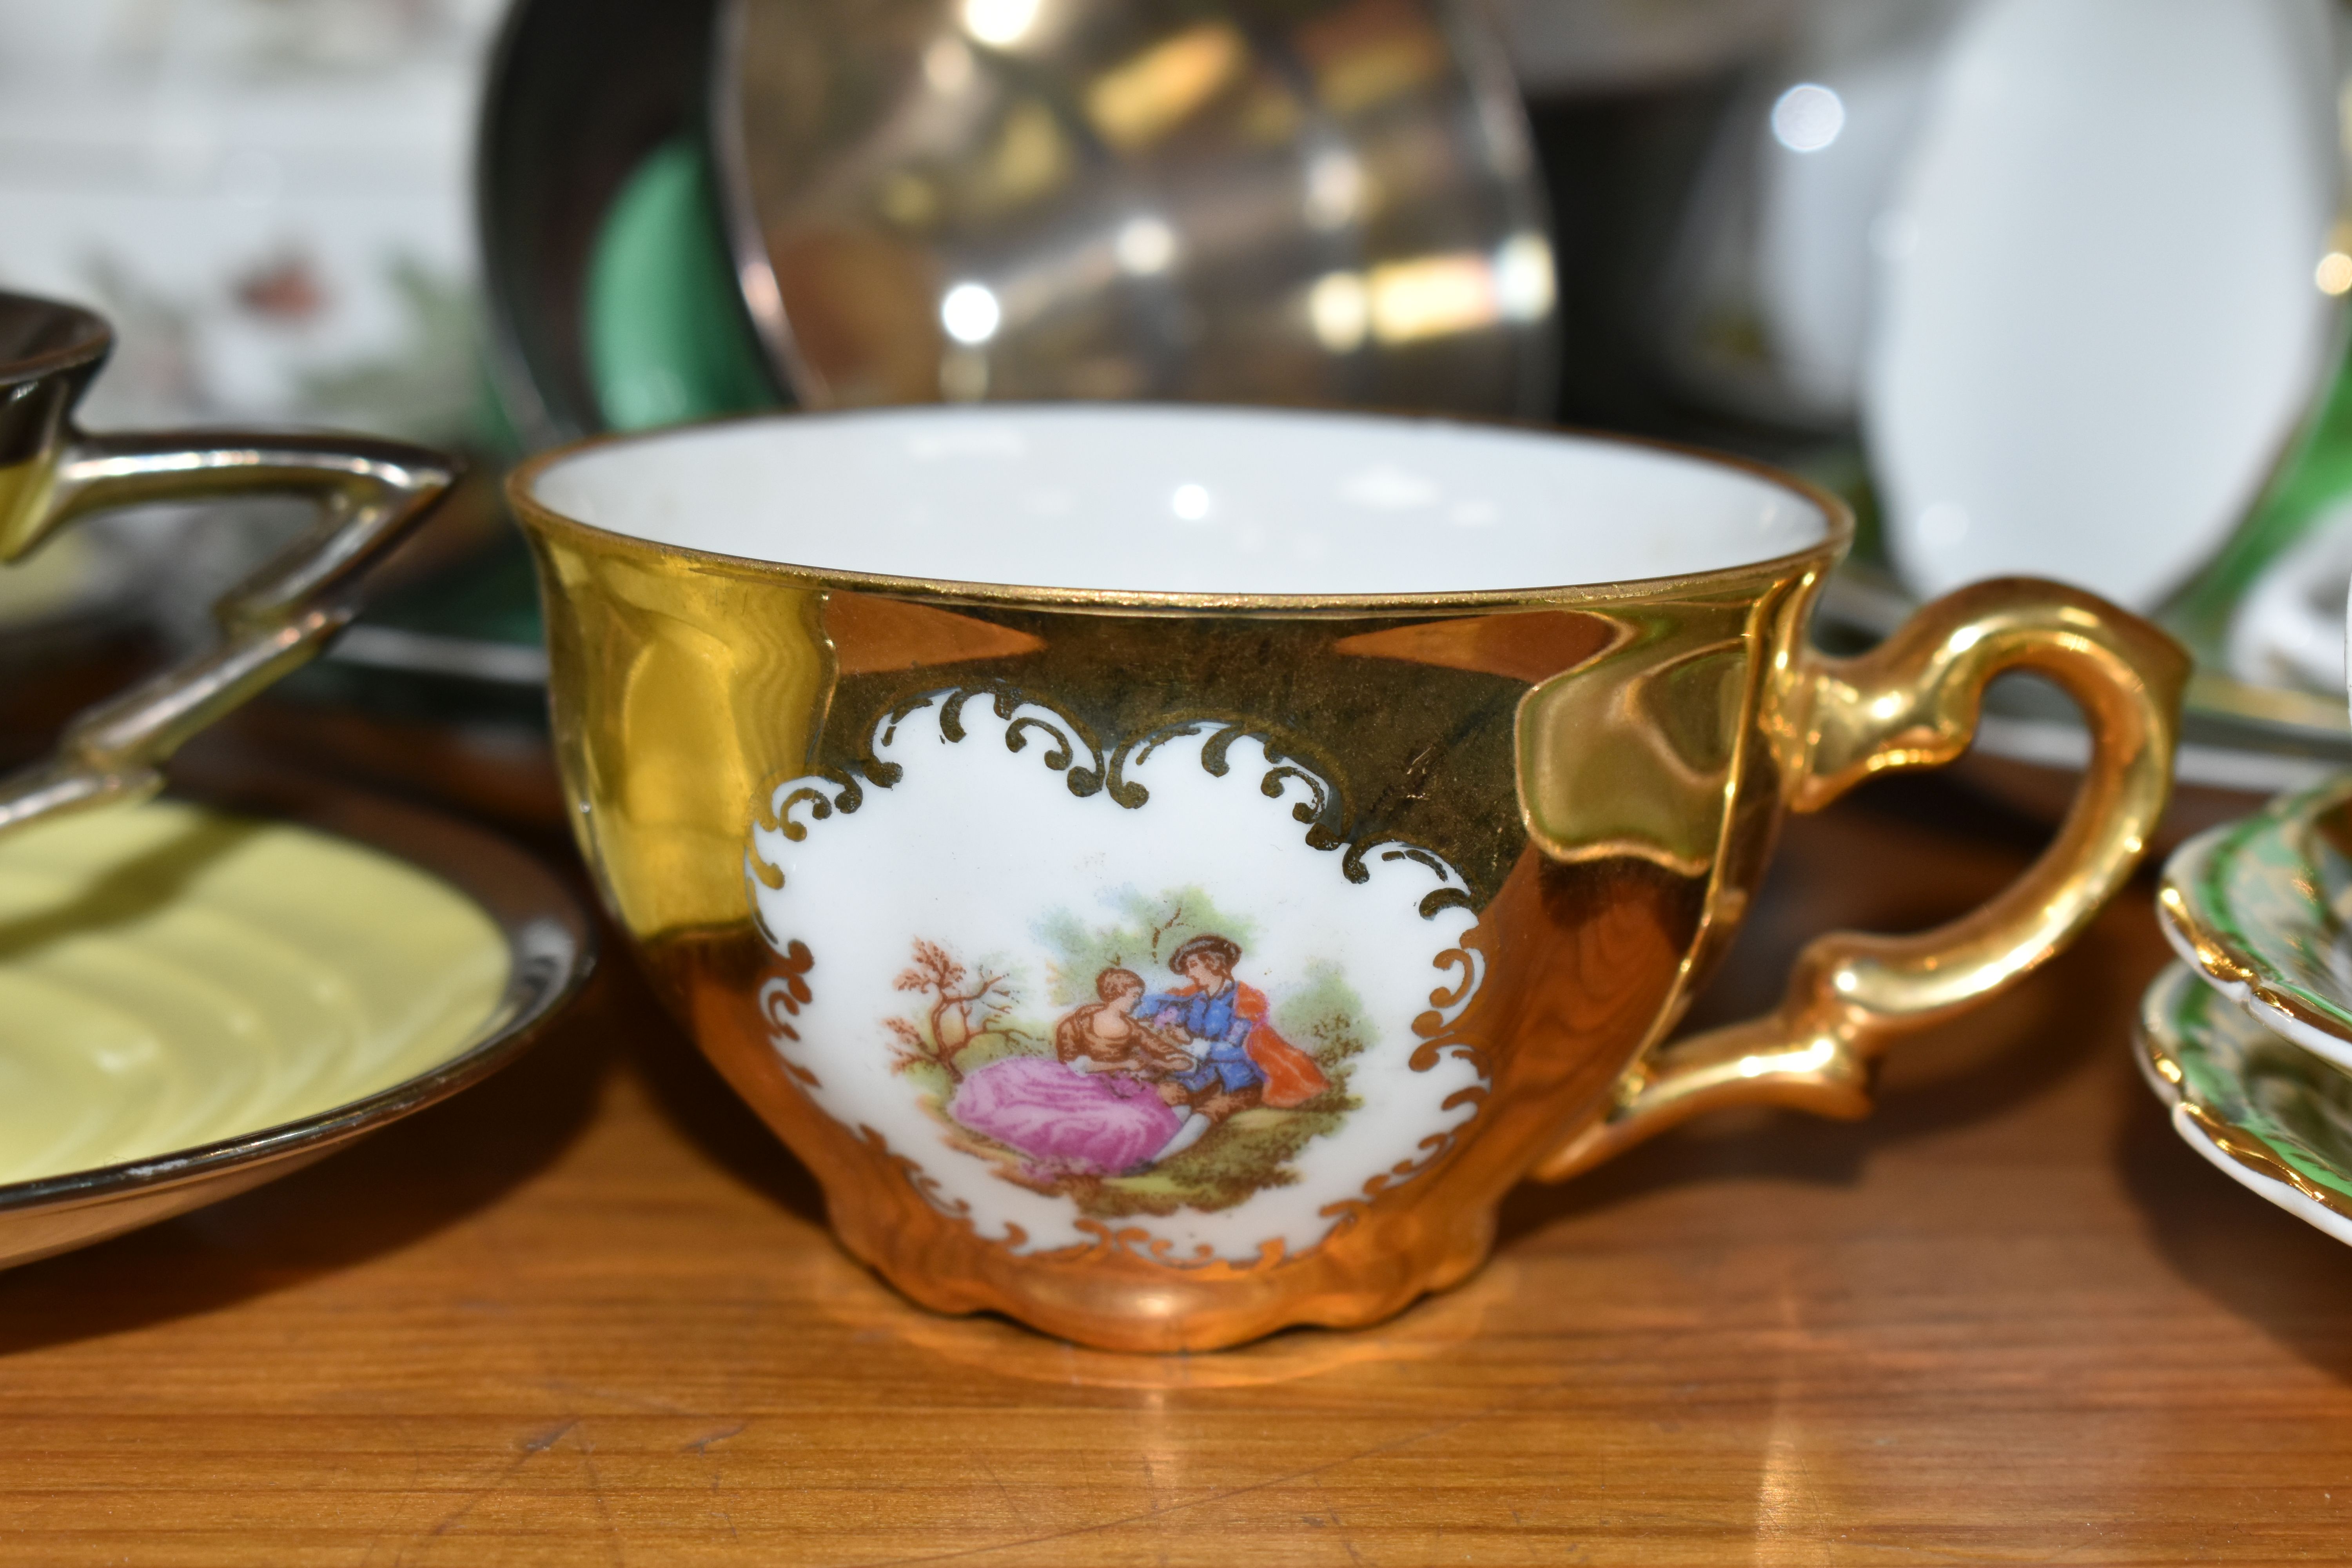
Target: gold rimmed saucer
x=2258 y=907
x=202 y=997
x=2267 y=1113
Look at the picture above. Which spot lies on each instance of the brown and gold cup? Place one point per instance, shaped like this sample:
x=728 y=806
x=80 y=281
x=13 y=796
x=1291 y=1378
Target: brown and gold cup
x=1168 y=872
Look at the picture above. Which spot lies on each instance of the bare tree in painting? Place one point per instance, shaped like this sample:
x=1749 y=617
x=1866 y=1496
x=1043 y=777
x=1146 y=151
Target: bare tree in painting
x=963 y=1005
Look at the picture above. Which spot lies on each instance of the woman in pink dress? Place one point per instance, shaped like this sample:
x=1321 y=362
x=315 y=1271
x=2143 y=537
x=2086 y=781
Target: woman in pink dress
x=1094 y=1110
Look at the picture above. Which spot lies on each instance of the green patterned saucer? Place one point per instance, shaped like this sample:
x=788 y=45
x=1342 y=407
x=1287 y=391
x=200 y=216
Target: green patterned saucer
x=2263 y=908
x=2270 y=1116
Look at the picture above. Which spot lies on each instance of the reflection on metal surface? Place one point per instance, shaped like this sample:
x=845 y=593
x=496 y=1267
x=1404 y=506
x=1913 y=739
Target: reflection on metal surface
x=1430 y=297
x=1145 y=246
x=971 y=313
x=1403 y=302
x=1630 y=753
x=371 y=493
x=1000 y=23
x=427 y=653
x=1077 y=198
x=1808 y=117
x=1141 y=100
x=1524 y=280
x=1339 y=310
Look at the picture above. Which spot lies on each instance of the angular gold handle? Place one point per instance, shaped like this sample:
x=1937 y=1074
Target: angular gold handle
x=1912 y=703
x=370 y=494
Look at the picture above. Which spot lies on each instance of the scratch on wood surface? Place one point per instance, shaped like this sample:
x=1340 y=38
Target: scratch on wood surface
x=725 y=1517
x=1330 y=1512
x=1002 y=1489
x=547 y=1439
x=702 y=1444
x=596 y=1491
x=1307 y=1472
x=538 y=1443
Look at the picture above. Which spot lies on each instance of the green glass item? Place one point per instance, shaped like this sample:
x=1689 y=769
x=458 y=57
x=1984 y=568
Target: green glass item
x=2315 y=476
x=667 y=341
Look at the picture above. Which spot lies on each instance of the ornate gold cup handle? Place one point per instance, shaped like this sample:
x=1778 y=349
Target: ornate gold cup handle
x=370 y=494
x=1913 y=702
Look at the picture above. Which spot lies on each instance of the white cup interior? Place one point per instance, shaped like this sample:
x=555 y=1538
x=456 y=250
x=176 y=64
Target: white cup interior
x=1182 y=499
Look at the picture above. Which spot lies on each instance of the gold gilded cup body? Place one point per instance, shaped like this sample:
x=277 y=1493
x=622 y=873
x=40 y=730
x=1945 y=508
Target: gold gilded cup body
x=1162 y=970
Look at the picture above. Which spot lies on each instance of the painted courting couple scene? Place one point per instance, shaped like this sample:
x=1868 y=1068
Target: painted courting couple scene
x=1160 y=1079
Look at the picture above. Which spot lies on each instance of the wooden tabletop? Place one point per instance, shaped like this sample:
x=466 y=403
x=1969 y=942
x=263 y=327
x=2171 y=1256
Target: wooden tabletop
x=589 y=1314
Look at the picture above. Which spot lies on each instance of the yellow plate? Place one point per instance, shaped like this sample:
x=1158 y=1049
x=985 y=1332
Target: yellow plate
x=193 y=1000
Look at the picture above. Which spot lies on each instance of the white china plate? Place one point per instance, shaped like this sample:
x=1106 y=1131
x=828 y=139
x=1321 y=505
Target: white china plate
x=2101 y=317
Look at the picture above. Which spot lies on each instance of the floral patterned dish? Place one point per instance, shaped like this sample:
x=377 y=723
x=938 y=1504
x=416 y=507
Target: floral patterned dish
x=2272 y=1117
x=2260 y=908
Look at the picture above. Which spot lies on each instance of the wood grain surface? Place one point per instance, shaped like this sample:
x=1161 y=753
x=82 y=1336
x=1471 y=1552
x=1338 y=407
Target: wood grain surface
x=588 y=1314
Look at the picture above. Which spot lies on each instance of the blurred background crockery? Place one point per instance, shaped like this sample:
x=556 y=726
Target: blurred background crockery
x=2038 y=286
x=2046 y=287
x=2041 y=289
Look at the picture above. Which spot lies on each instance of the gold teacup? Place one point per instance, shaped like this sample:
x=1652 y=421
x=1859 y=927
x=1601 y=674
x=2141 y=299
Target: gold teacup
x=1258 y=839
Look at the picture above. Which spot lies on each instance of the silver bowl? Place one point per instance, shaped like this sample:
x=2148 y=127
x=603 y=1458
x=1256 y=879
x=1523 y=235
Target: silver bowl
x=1323 y=202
